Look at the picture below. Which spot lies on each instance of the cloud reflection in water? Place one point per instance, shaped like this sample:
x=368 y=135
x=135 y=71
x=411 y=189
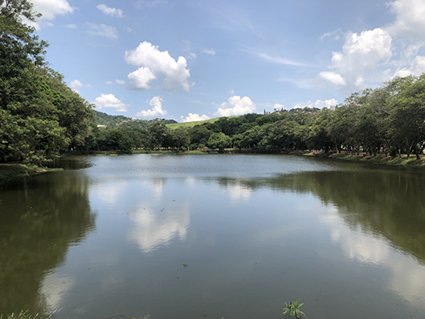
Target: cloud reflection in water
x=152 y=229
x=407 y=277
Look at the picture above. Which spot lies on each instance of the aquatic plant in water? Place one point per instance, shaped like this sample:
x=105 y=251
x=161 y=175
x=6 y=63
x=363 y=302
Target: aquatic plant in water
x=293 y=309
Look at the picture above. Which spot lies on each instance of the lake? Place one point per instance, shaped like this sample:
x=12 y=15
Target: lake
x=214 y=236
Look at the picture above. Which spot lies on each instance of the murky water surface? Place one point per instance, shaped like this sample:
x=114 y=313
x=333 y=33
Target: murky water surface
x=216 y=236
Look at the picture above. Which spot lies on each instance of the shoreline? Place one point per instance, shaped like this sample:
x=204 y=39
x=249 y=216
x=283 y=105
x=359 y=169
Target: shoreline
x=377 y=160
x=9 y=171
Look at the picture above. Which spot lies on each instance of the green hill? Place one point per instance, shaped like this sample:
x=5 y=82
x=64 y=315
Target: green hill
x=191 y=124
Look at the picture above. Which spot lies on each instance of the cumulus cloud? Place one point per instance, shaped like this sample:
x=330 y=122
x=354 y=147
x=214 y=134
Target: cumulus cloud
x=409 y=18
x=362 y=53
x=156 y=109
x=154 y=64
x=236 y=105
x=109 y=11
x=193 y=117
x=110 y=101
x=102 y=30
x=52 y=8
x=141 y=78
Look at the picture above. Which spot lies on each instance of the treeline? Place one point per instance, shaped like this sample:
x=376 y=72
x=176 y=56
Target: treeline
x=40 y=117
x=388 y=120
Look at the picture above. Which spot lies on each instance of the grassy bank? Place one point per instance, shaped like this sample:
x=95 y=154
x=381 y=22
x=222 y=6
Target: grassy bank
x=399 y=162
x=10 y=171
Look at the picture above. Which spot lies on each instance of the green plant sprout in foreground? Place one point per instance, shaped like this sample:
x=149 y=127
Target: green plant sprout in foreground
x=293 y=309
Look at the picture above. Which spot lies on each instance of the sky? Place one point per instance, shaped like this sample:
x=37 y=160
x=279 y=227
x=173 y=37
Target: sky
x=191 y=59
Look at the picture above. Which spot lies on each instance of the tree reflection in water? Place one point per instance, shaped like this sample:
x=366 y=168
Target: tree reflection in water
x=40 y=218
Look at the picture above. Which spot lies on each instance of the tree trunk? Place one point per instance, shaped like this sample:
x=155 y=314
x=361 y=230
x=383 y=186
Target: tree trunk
x=418 y=157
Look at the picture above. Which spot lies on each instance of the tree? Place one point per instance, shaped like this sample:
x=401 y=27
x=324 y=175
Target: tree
x=219 y=141
x=407 y=120
x=199 y=134
x=181 y=137
x=158 y=133
x=40 y=116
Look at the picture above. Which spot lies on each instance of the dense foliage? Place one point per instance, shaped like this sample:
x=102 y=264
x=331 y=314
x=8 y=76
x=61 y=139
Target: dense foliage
x=39 y=115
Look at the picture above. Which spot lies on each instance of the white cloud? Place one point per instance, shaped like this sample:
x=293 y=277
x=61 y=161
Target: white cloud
x=334 y=35
x=154 y=63
x=76 y=85
x=141 y=78
x=409 y=18
x=156 y=109
x=235 y=105
x=52 y=8
x=279 y=106
x=102 y=30
x=416 y=68
x=333 y=77
x=193 y=117
x=276 y=59
x=109 y=11
x=361 y=57
x=110 y=101
x=116 y=81
x=321 y=104
x=209 y=51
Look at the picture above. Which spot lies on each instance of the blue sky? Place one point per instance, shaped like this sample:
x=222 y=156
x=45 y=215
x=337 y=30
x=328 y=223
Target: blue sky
x=193 y=59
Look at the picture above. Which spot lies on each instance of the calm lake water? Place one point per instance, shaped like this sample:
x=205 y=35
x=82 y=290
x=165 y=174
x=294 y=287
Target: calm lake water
x=214 y=236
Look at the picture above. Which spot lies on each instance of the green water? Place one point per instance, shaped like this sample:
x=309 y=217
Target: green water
x=216 y=236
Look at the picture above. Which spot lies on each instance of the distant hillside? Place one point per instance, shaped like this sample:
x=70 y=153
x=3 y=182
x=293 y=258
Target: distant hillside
x=101 y=118
x=191 y=124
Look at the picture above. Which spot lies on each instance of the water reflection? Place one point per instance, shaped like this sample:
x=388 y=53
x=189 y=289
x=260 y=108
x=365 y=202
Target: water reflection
x=238 y=192
x=407 y=277
x=368 y=214
x=390 y=203
x=53 y=290
x=158 y=186
x=339 y=240
x=39 y=219
x=110 y=191
x=155 y=228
